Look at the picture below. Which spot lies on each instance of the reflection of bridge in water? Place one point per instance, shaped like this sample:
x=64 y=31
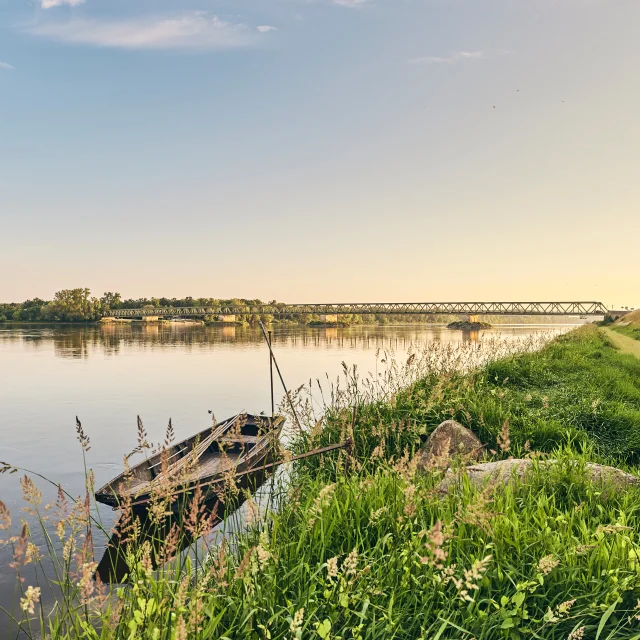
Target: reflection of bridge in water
x=329 y=312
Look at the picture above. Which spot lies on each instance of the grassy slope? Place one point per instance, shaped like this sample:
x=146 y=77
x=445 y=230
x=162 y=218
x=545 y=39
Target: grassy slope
x=362 y=556
x=579 y=386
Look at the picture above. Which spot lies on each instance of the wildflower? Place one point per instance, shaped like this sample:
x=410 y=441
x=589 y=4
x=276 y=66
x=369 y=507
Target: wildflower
x=170 y=544
x=377 y=514
x=244 y=563
x=528 y=397
x=83 y=439
x=441 y=455
x=581 y=549
x=145 y=558
x=378 y=452
x=262 y=552
x=477 y=513
x=32 y=554
x=527 y=446
x=321 y=502
x=68 y=548
x=20 y=548
x=199 y=521
x=294 y=498
x=5 y=516
x=296 y=622
x=350 y=563
x=504 y=442
x=218 y=570
x=410 y=506
x=448 y=573
x=30 y=492
x=332 y=567
x=181 y=629
x=405 y=467
x=547 y=564
x=576 y=634
x=563 y=608
x=545 y=402
x=86 y=583
x=472 y=578
x=30 y=599
x=252 y=511
x=436 y=554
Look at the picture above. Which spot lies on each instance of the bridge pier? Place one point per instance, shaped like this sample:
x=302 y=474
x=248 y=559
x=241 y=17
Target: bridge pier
x=227 y=317
x=329 y=317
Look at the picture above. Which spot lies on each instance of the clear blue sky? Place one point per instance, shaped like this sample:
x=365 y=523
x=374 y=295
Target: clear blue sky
x=318 y=150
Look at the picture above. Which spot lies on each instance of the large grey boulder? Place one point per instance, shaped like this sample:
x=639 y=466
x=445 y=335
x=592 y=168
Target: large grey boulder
x=494 y=474
x=448 y=439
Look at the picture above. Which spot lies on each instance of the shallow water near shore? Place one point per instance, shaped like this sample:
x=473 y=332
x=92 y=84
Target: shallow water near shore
x=106 y=375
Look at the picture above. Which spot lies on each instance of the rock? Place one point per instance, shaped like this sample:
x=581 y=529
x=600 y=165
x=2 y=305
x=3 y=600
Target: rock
x=498 y=473
x=447 y=440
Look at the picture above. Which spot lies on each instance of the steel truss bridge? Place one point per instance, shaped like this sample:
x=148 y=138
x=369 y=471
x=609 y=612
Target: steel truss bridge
x=371 y=308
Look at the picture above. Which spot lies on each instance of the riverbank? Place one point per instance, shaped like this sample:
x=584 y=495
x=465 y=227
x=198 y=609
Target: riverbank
x=372 y=551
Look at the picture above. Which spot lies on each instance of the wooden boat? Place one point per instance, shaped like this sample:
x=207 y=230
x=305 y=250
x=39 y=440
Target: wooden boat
x=234 y=446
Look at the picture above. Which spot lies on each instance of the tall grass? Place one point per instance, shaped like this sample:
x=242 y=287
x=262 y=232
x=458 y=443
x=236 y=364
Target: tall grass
x=373 y=549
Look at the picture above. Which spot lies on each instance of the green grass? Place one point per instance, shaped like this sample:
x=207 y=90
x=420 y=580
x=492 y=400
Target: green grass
x=632 y=331
x=578 y=386
x=375 y=552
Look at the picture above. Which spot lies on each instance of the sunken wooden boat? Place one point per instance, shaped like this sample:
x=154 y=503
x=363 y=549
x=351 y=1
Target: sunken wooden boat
x=229 y=448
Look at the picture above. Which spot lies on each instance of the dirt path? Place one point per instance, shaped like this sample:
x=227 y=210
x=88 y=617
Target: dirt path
x=624 y=343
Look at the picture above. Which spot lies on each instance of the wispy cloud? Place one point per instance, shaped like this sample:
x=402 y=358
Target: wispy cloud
x=265 y=28
x=454 y=57
x=195 y=30
x=50 y=4
x=351 y=4
x=6 y=66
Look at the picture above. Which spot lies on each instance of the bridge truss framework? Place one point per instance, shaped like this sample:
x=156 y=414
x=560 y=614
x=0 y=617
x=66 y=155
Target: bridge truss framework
x=371 y=308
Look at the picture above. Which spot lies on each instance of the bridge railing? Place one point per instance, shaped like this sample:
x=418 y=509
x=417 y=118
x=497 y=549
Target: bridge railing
x=404 y=308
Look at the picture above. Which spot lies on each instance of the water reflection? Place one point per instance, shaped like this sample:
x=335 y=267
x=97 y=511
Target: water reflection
x=82 y=342
x=470 y=335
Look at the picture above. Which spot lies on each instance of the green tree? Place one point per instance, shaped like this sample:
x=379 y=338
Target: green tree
x=73 y=305
x=111 y=300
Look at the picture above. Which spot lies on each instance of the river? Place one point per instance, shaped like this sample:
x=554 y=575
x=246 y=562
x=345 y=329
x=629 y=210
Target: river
x=107 y=375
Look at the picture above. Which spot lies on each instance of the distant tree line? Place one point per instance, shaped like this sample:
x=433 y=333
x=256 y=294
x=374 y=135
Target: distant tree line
x=78 y=305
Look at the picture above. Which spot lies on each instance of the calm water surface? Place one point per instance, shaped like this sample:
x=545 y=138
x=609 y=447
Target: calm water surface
x=107 y=375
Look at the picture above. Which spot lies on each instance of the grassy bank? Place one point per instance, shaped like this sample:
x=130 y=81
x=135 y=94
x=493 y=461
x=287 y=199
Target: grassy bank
x=628 y=325
x=373 y=551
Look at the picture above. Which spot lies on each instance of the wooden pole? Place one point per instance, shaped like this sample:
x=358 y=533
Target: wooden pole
x=273 y=409
x=284 y=386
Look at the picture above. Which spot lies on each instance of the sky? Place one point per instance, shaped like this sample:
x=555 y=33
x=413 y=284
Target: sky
x=321 y=150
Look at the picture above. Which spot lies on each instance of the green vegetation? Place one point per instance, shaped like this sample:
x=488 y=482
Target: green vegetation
x=625 y=343
x=77 y=305
x=370 y=549
x=629 y=325
x=577 y=388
